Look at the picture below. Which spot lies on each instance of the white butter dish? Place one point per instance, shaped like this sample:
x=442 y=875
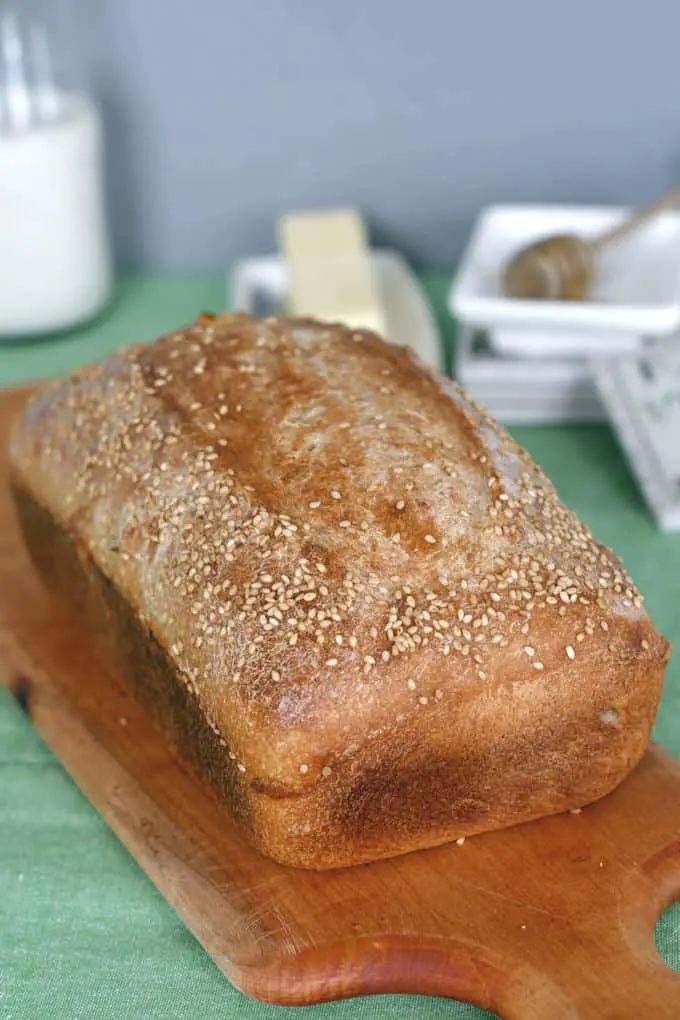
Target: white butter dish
x=260 y=286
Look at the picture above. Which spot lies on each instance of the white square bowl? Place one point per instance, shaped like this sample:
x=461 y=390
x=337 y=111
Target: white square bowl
x=637 y=289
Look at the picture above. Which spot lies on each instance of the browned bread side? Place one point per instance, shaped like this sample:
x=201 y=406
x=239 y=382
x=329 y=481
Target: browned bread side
x=354 y=604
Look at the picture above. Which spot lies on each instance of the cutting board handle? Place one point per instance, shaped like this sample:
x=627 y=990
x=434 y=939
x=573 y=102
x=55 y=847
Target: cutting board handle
x=622 y=975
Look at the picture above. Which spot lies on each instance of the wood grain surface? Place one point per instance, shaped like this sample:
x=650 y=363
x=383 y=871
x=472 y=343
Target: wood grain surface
x=548 y=921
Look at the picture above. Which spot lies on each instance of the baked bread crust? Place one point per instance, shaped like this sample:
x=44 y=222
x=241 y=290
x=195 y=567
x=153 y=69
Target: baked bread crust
x=355 y=605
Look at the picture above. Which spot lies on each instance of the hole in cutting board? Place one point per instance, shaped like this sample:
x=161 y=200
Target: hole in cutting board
x=667 y=936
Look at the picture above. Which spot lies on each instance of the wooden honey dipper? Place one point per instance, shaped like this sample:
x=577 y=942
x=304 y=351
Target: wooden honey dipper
x=562 y=267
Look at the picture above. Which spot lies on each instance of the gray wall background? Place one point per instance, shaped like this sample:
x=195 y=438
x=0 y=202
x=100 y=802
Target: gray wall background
x=222 y=114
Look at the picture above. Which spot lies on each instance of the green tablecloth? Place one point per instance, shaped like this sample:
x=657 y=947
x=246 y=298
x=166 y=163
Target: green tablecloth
x=83 y=933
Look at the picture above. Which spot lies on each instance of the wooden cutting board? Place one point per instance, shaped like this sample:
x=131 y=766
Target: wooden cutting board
x=548 y=921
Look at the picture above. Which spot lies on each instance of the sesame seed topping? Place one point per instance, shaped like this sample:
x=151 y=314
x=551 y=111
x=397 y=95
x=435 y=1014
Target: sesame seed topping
x=431 y=539
x=570 y=652
x=326 y=771
x=537 y=665
x=345 y=524
x=304 y=769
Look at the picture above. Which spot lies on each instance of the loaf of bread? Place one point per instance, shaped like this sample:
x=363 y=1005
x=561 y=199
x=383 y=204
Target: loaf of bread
x=356 y=607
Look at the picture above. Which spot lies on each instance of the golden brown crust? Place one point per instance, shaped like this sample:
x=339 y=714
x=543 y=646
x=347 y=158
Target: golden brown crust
x=374 y=625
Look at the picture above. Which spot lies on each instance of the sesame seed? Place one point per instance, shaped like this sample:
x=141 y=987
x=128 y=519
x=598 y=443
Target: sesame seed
x=411 y=684
x=400 y=504
x=304 y=769
x=276 y=676
x=345 y=524
x=460 y=840
x=431 y=539
x=645 y=644
x=529 y=650
x=326 y=771
x=537 y=664
x=331 y=662
x=315 y=504
x=570 y=652
x=335 y=494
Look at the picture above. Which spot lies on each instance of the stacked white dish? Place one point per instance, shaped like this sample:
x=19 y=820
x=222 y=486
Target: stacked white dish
x=529 y=361
x=525 y=391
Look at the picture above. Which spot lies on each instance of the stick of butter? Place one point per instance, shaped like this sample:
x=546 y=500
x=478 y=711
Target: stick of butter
x=330 y=269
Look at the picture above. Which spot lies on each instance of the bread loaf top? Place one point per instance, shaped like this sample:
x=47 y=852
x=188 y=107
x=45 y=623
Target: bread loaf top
x=304 y=517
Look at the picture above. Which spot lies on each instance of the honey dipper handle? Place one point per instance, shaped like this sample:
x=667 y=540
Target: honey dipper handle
x=668 y=201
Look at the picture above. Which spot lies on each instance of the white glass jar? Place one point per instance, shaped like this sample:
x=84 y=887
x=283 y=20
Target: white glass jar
x=55 y=261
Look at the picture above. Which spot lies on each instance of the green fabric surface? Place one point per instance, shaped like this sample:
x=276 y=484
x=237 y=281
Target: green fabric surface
x=83 y=932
